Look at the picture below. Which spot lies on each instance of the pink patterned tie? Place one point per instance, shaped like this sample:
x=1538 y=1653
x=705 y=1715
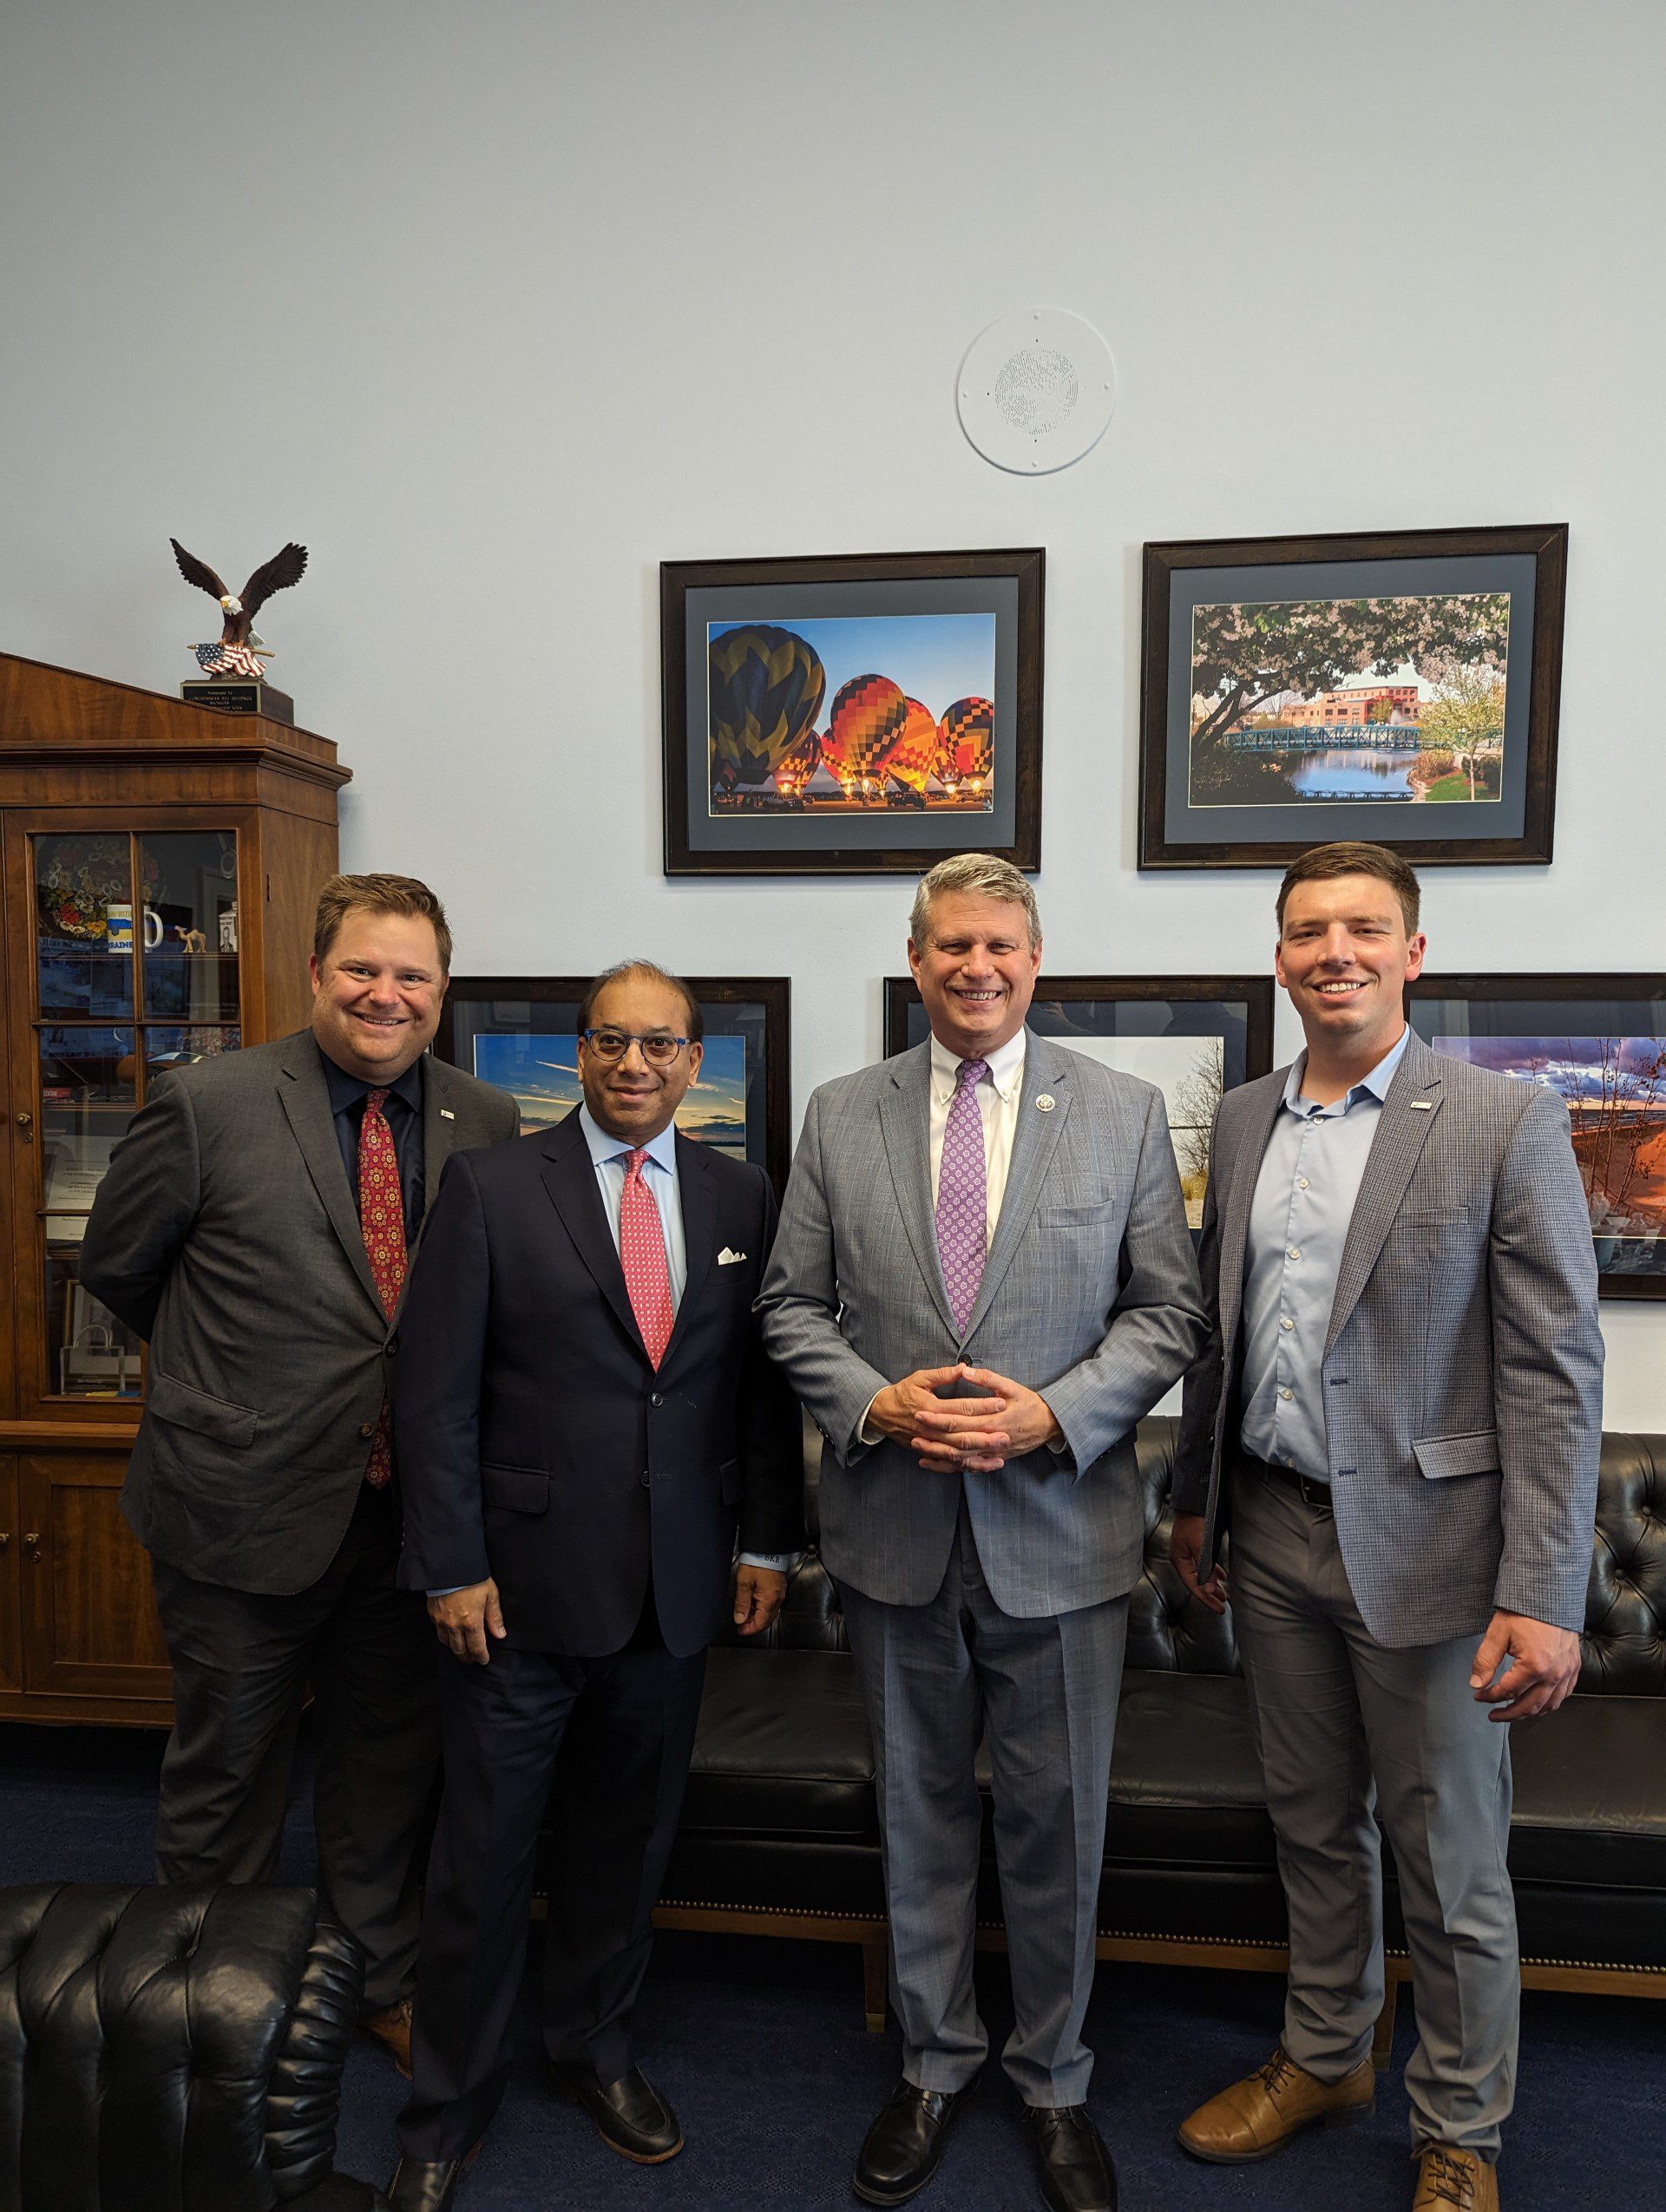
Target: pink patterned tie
x=963 y=1194
x=381 y=1218
x=642 y=1254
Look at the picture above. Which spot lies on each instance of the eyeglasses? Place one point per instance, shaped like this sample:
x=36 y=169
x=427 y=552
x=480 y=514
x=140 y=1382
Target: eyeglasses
x=658 y=1049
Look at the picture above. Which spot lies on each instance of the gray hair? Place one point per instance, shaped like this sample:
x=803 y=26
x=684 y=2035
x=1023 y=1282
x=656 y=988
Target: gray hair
x=981 y=876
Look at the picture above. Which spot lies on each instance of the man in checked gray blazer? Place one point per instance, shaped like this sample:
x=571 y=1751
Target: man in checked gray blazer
x=1399 y=1416
x=981 y=1280
x=230 y=1233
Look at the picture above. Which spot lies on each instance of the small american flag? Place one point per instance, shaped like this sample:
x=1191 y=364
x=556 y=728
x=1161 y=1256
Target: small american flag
x=222 y=659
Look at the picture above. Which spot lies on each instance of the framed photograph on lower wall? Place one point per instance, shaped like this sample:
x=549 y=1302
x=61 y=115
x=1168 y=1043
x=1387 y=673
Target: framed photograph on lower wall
x=1601 y=1041
x=1401 y=686
x=1194 y=1037
x=520 y=1032
x=854 y=714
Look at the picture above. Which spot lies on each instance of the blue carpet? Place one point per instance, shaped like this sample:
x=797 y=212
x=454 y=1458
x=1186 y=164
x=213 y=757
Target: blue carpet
x=761 y=2047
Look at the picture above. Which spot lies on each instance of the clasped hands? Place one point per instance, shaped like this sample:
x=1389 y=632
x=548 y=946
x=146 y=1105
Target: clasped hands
x=468 y=1622
x=1544 y=1660
x=951 y=1434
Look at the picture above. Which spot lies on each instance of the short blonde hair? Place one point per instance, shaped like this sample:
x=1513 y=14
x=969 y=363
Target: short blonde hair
x=980 y=875
x=378 y=895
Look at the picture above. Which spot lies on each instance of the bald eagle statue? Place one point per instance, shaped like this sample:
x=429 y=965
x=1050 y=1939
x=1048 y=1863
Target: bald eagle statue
x=234 y=652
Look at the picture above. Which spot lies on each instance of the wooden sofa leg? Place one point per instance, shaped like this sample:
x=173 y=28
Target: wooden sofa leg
x=875 y=1960
x=1382 y=2039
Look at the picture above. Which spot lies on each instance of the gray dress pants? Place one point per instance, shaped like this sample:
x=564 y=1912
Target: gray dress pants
x=1347 y=1728
x=938 y=1678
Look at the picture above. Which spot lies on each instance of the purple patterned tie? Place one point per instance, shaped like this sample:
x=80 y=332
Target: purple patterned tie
x=963 y=1194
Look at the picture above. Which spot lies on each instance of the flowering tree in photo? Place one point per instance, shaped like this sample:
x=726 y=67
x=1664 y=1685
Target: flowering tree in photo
x=1244 y=654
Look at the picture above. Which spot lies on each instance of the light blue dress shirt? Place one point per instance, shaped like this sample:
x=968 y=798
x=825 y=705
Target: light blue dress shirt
x=609 y=1157
x=1299 y=1218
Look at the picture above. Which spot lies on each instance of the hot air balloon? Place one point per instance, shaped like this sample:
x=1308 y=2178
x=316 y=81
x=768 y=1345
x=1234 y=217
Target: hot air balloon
x=766 y=684
x=868 y=715
x=910 y=760
x=799 y=765
x=964 y=745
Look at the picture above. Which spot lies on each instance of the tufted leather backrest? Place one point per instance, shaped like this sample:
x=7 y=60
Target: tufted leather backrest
x=170 y=2050
x=1625 y=1641
x=1168 y=1631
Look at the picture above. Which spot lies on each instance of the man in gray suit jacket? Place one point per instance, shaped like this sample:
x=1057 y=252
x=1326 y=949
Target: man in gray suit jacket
x=982 y=1280
x=1399 y=1411
x=255 y=1227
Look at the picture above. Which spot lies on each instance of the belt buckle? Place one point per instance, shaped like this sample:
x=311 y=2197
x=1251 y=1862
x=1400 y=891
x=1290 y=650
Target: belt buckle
x=1316 y=1495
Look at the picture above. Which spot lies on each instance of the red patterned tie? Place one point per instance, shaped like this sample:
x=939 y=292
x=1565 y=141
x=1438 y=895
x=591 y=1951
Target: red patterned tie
x=382 y=1218
x=642 y=1251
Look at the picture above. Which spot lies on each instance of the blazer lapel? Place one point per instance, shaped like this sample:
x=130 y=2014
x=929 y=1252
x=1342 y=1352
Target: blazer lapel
x=304 y=1098
x=439 y=1130
x=1235 y=1211
x=1035 y=1138
x=905 y=1121
x=1408 y=1112
x=570 y=1178
x=697 y=1188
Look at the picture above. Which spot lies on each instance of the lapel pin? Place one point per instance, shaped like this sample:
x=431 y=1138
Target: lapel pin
x=1045 y=1104
x=446 y=1114
x=1422 y=1105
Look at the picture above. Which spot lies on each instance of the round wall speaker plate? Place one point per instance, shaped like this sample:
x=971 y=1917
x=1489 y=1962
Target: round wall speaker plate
x=1036 y=391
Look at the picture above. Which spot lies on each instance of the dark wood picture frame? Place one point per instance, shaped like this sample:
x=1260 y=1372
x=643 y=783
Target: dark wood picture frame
x=903 y=1011
x=1172 y=833
x=785 y=842
x=769 y=1110
x=1607 y=995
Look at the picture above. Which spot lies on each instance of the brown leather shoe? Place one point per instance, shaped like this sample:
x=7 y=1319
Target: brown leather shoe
x=1258 y=2116
x=391 y=2028
x=1450 y=2180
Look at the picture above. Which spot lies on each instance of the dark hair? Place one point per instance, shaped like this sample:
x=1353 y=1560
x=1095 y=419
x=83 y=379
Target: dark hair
x=654 y=973
x=1323 y=862
x=378 y=895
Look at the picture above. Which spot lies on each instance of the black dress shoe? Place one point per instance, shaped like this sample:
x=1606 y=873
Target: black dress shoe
x=1075 y=2167
x=904 y=2147
x=428 y=2184
x=631 y=2116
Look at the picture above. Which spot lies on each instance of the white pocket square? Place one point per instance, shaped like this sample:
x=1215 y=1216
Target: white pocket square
x=727 y=1259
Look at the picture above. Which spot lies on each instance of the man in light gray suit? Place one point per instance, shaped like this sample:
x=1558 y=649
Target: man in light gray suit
x=255 y=1227
x=1398 y=1412
x=983 y=1278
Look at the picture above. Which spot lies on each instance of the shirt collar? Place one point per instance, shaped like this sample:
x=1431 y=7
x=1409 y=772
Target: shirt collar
x=347 y=1090
x=1006 y=1068
x=662 y=1151
x=1375 y=1084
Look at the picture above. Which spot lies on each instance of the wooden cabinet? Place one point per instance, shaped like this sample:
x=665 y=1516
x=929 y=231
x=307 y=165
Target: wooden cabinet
x=159 y=867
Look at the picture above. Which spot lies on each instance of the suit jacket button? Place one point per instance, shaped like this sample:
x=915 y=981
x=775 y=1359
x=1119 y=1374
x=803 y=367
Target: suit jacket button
x=645 y=1479
x=393 y=1341
x=367 y=1429
x=657 y=1399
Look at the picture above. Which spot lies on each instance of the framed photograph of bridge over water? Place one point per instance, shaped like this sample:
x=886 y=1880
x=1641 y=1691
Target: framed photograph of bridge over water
x=1600 y=1040
x=1402 y=687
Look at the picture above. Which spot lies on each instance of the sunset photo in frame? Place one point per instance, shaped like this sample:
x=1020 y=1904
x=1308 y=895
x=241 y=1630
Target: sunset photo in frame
x=1401 y=688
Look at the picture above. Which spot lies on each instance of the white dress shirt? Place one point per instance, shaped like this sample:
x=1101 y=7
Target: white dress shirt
x=998 y=1096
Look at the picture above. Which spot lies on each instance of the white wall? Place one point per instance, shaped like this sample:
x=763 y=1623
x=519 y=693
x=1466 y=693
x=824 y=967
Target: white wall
x=498 y=306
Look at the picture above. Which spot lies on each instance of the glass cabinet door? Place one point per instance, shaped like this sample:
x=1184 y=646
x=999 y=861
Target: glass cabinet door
x=135 y=974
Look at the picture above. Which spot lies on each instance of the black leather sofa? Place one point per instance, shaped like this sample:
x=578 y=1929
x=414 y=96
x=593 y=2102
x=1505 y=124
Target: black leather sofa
x=779 y=1833
x=173 y=2048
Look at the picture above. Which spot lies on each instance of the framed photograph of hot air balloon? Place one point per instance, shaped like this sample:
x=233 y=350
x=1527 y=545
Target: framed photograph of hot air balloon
x=520 y=1032
x=1399 y=686
x=859 y=714
x=1195 y=1037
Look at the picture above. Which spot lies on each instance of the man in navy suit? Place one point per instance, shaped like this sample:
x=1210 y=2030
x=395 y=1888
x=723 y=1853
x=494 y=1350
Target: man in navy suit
x=585 y=1414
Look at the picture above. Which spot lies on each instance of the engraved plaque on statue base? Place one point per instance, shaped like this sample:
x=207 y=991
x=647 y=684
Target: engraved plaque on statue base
x=238 y=695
